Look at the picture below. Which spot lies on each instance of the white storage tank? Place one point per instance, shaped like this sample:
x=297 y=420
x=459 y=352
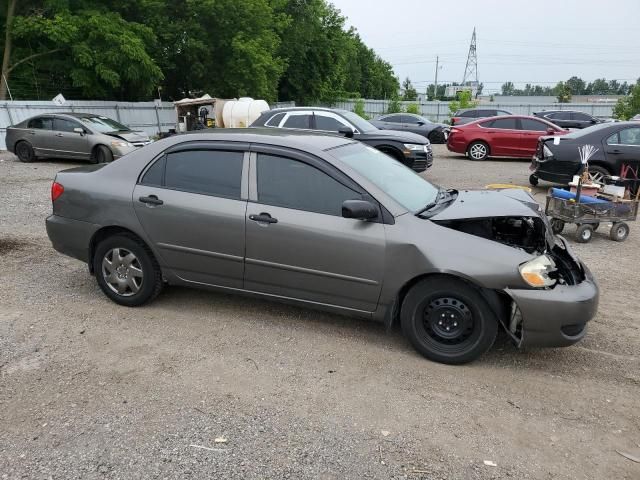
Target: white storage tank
x=242 y=112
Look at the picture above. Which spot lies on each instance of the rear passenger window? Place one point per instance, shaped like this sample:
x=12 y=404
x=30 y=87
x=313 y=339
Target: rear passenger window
x=504 y=124
x=297 y=121
x=469 y=114
x=155 y=174
x=42 y=123
x=288 y=183
x=533 y=125
x=209 y=172
x=275 y=120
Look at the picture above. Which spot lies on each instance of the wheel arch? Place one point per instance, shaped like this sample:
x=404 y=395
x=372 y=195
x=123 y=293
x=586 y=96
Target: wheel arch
x=602 y=164
x=391 y=150
x=499 y=302
x=106 y=232
x=479 y=140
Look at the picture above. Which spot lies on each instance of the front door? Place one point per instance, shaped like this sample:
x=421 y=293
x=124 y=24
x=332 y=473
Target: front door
x=66 y=143
x=623 y=148
x=191 y=204
x=531 y=132
x=298 y=244
x=504 y=137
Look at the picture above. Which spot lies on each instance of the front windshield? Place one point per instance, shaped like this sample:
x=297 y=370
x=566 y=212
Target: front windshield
x=399 y=182
x=360 y=123
x=586 y=131
x=104 y=124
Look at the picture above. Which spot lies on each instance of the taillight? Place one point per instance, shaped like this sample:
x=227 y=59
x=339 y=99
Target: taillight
x=454 y=120
x=56 y=190
x=453 y=130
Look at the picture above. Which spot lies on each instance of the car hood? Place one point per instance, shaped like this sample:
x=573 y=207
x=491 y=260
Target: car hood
x=404 y=137
x=491 y=203
x=131 y=136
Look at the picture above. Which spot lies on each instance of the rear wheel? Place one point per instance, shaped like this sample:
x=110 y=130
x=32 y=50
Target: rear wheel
x=597 y=174
x=24 y=152
x=126 y=270
x=448 y=321
x=534 y=180
x=557 y=226
x=436 y=136
x=619 y=232
x=584 y=234
x=478 y=151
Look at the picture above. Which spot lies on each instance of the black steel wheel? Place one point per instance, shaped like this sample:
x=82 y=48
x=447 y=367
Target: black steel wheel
x=448 y=320
x=534 y=180
x=24 y=152
x=102 y=154
x=557 y=226
x=584 y=233
x=619 y=232
x=437 y=136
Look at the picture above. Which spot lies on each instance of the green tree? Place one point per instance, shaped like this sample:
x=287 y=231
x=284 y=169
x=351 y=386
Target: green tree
x=628 y=106
x=508 y=88
x=410 y=93
x=358 y=108
x=575 y=85
x=463 y=101
x=563 y=92
x=413 y=108
x=394 y=105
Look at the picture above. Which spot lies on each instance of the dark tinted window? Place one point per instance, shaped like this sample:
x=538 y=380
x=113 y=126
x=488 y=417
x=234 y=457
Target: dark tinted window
x=392 y=118
x=155 y=174
x=533 y=125
x=205 y=171
x=297 y=121
x=502 y=112
x=503 y=123
x=469 y=114
x=583 y=117
x=630 y=136
x=275 y=120
x=328 y=124
x=41 y=123
x=292 y=184
x=560 y=116
x=487 y=113
x=63 y=125
x=410 y=119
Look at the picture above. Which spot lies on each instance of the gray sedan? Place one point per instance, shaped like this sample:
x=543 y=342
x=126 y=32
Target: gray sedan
x=81 y=136
x=326 y=222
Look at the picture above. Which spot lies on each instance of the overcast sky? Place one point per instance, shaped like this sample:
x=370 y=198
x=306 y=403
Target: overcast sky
x=538 y=42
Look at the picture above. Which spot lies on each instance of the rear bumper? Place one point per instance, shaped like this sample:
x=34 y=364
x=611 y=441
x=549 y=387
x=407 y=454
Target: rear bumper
x=552 y=171
x=71 y=237
x=456 y=146
x=557 y=317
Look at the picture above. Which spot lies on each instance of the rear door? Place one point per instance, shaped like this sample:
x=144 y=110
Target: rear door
x=329 y=122
x=504 y=136
x=40 y=135
x=66 y=143
x=531 y=131
x=191 y=203
x=299 y=245
x=297 y=119
x=582 y=120
x=623 y=148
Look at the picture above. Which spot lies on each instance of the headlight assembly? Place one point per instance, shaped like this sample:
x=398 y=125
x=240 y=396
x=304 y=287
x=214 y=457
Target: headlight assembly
x=536 y=272
x=414 y=147
x=121 y=144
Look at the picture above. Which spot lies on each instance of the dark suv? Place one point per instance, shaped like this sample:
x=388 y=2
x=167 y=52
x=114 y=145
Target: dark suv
x=568 y=118
x=472 y=114
x=411 y=149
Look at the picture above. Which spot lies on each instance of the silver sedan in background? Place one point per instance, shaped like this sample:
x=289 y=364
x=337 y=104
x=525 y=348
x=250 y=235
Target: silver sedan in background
x=81 y=136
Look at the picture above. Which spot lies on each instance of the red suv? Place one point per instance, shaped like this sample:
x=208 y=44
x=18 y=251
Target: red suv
x=506 y=136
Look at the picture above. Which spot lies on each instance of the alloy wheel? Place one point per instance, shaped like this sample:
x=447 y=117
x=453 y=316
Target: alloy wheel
x=596 y=177
x=478 y=151
x=122 y=272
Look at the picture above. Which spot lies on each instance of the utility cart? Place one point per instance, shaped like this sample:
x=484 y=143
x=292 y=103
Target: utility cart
x=589 y=212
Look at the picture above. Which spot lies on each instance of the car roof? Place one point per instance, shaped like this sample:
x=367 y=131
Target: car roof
x=299 y=139
x=293 y=109
x=487 y=119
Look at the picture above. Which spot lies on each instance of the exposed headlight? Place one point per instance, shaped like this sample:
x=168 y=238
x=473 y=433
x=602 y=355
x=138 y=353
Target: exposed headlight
x=546 y=152
x=536 y=272
x=415 y=147
x=121 y=144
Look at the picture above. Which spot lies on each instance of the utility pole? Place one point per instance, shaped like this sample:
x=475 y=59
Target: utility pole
x=435 y=92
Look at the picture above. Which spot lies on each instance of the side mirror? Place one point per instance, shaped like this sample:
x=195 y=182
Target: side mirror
x=346 y=131
x=79 y=130
x=594 y=121
x=550 y=131
x=360 y=209
x=421 y=123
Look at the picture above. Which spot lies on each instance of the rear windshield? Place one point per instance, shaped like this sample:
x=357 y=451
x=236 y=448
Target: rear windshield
x=587 y=131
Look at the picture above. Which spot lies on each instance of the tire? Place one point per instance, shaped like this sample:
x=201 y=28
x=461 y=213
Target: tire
x=597 y=174
x=127 y=281
x=436 y=137
x=534 y=180
x=478 y=151
x=24 y=151
x=557 y=226
x=619 y=232
x=473 y=325
x=102 y=154
x=584 y=233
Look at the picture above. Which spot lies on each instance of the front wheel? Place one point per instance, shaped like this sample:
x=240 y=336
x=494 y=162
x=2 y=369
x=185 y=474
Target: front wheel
x=584 y=233
x=534 y=180
x=557 y=226
x=478 y=151
x=102 y=154
x=619 y=232
x=126 y=270
x=448 y=321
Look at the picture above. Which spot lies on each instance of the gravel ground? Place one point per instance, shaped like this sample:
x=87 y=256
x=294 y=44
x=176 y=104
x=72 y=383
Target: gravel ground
x=91 y=390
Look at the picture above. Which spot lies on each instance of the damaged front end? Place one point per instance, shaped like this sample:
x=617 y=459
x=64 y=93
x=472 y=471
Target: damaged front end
x=561 y=297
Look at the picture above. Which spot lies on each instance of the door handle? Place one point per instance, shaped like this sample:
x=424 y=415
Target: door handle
x=32 y=132
x=59 y=135
x=615 y=152
x=263 y=218
x=151 y=200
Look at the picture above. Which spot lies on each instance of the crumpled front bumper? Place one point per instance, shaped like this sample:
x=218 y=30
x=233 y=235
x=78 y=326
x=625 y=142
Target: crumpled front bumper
x=556 y=317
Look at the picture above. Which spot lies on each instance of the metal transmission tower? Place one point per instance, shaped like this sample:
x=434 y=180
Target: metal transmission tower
x=471 y=70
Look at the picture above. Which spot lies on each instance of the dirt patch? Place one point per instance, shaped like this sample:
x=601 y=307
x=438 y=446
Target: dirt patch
x=8 y=245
